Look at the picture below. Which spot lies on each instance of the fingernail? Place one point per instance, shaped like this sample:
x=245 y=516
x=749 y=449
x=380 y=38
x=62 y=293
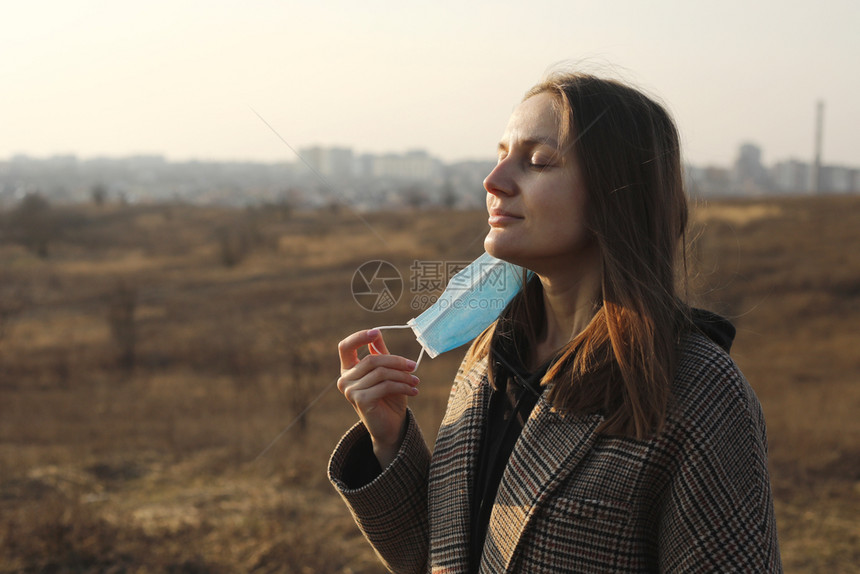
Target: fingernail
x=373 y=333
x=411 y=364
x=415 y=380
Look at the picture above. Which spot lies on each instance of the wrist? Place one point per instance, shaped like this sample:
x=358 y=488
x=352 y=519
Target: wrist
x=386 y=451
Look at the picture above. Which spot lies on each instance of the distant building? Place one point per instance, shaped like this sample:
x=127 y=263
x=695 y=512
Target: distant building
x=334 y=163
x=364 y=165
x=150 y=161
x=750 y=176
x=415 y=165
x=838 y=179
x=708 y=181
x=466 y=180
x=791 y=176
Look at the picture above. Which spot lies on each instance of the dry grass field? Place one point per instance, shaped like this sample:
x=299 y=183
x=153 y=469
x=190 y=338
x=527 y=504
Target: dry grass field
x=150 y=354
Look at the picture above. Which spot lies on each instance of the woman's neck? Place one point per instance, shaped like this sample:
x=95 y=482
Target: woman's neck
x=569 y=298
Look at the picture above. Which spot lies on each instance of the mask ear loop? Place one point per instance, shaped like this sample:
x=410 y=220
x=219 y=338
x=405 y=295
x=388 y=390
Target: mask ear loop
x=420 y=355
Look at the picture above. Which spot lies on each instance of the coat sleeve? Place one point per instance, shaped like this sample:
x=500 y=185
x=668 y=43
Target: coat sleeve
x=391 y=510
x=718 y=515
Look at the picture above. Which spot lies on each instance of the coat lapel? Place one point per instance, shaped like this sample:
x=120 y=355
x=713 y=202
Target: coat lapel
x=551 y=445
x=452 y=470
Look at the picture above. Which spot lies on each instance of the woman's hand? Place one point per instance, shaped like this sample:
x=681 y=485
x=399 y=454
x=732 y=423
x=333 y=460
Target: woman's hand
x=377 y=387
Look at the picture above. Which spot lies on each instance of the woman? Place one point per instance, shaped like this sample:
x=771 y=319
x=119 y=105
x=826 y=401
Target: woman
x=599 y=424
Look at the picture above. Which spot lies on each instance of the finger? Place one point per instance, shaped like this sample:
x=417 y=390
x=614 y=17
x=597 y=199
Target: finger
x=371 y=362
x=361 y=398
x=377 y=346
x=380 y=375
x=353 y=379
x=348 y=348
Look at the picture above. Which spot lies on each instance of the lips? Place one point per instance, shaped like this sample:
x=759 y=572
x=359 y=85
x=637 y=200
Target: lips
x=501 y=218
x=495 y=212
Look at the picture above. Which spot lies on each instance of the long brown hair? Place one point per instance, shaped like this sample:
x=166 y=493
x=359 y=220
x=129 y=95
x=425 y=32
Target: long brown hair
x=623 y=363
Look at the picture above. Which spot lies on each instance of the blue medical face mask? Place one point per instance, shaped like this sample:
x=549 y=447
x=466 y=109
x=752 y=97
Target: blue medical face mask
x=473 y=299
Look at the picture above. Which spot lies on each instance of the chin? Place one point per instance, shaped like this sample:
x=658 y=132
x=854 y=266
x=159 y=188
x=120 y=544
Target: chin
x=498 y=249
x=491 y=245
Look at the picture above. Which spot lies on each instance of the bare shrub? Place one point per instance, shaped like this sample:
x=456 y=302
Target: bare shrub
x=121 y=317
x=32 y=224
x=58 y=532
x=448 y=195
x=305 y=367
x=305 y=541
x=62 y=369
x=237 y=239
x=13 y=301
x=232 y=246
x=61 y=534
x=99 y=194
x=414 y=196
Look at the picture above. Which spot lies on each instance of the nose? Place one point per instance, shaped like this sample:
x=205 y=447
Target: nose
x=499 y=181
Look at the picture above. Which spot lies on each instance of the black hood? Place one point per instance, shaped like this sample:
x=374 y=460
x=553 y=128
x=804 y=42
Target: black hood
x=717 y=328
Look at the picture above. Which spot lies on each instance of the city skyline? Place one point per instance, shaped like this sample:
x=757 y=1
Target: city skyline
x=174 y=79
x=365 y=181
x=303 y=155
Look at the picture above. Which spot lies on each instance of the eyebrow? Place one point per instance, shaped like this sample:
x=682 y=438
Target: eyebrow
x=548 y=141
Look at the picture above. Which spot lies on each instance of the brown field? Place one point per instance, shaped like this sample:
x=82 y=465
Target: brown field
x=151 y=353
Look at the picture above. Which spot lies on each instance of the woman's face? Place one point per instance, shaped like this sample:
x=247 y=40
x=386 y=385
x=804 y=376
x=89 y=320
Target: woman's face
x=535 y=195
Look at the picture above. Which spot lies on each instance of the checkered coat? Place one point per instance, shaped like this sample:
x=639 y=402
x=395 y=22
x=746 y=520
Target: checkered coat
x=695 y=498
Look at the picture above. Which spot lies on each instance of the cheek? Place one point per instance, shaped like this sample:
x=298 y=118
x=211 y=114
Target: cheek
x=567 y=220
x=566 y=210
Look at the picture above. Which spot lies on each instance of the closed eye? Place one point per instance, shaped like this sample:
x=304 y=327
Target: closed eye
x=542 y=161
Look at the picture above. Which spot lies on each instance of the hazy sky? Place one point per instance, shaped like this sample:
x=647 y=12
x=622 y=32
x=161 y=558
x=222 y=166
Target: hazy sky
x=180 y=78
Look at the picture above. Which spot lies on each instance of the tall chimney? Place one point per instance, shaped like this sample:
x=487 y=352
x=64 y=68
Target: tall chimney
x=819 y=128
